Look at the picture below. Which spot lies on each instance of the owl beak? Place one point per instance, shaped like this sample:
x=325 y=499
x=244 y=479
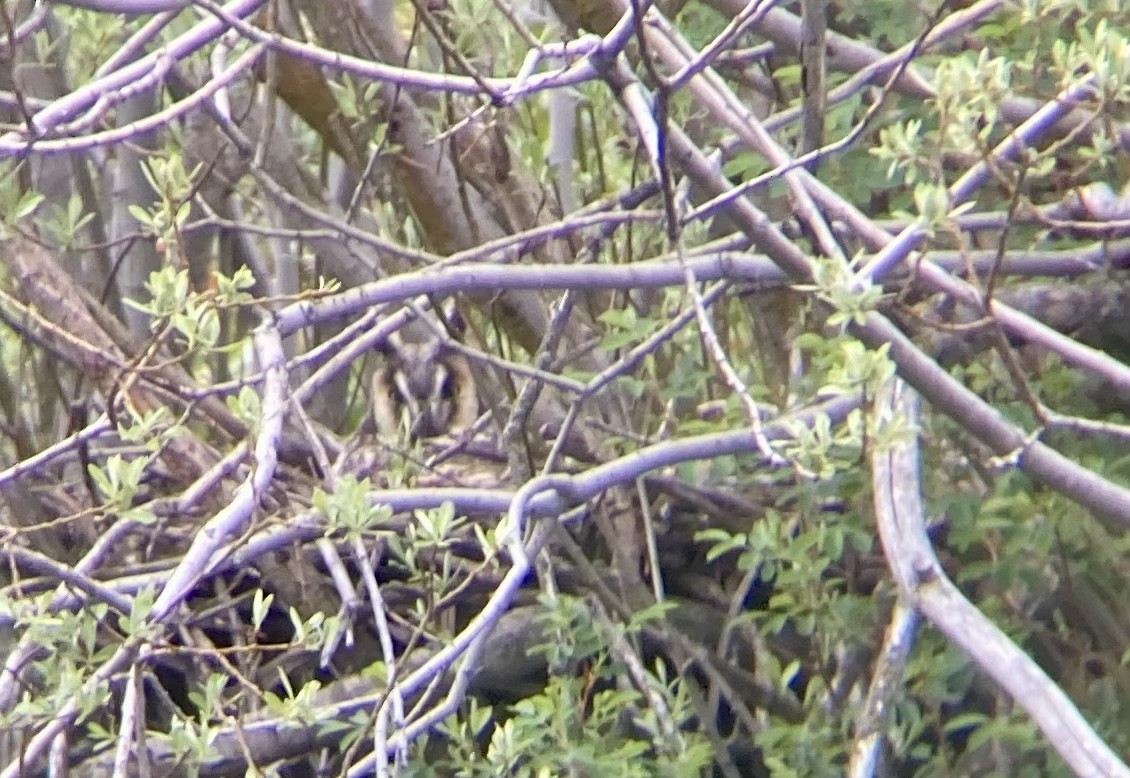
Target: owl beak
x=428 y=423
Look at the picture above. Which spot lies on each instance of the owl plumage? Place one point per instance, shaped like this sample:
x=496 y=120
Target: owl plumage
x=424 y=393
x=433 y=386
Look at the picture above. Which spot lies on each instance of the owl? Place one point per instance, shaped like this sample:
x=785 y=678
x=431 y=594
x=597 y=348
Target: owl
x=435 y=389
x=428 y=391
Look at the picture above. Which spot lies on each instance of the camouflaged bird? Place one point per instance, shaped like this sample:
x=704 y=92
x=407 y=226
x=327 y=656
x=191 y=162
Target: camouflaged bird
x=433 y=391
x=424 y=405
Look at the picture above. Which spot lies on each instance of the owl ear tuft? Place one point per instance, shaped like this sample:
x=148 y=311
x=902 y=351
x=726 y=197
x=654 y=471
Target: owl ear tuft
x=452 y=319
x=390 y=347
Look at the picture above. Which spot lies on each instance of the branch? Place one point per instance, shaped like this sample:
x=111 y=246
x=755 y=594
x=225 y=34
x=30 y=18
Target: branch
x=902 y=529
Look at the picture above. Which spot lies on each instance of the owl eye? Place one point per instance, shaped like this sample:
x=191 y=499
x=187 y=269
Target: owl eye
x=447 y=386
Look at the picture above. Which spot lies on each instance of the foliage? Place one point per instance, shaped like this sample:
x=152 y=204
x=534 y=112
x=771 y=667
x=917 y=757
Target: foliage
x=590 y=723
x=687 y=427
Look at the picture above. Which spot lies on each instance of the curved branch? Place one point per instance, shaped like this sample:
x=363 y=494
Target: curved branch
x=902 y=529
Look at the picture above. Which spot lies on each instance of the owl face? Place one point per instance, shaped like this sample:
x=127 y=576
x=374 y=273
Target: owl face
x=433 y=388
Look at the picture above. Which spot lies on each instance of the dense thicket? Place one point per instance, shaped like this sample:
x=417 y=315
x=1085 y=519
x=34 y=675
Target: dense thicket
x=486 y=388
